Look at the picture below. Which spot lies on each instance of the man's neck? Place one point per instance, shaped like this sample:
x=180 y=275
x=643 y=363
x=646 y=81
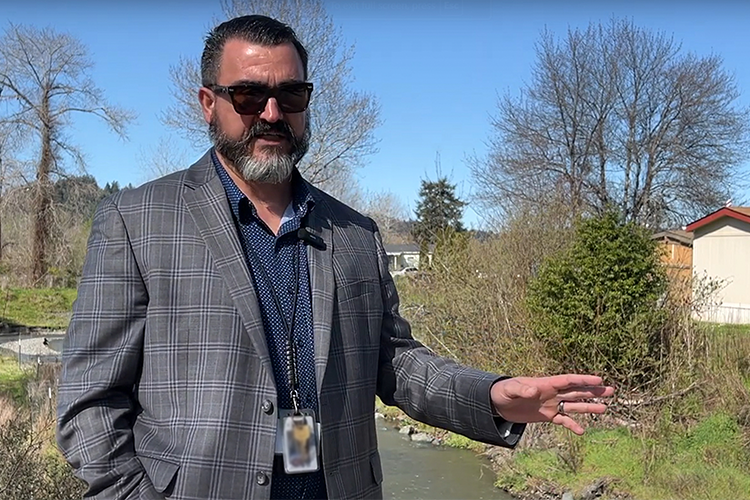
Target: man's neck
x=270 y=200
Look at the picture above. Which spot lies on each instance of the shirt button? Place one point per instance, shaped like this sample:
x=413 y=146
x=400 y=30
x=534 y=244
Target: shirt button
x=261 y=478
x=290 y=290
x=267 y=407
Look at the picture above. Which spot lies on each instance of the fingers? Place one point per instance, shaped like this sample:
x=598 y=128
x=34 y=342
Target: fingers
x=580 y=407
x=575 y=393
x=568 y=423
x=570 y=380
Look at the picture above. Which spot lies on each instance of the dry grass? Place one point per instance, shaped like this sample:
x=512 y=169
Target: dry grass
x=31 y=465
x=8 y=411
x=470 y=306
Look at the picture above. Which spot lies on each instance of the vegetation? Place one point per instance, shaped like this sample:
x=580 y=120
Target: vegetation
x=707 y=461
x=73 y=204
x=45 y=77
x=30 y=464
x=13 y=380
x=685 y=421
x=596 y=305
x=45 y=308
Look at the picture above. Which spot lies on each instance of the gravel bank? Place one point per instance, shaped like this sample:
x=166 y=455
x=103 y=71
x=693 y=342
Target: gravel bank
x=30 y=346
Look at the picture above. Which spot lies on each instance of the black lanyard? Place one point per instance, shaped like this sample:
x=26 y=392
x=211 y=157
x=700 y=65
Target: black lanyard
x=291 y=348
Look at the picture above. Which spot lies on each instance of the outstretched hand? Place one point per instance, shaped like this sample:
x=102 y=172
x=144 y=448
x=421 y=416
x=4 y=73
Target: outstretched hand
x=529 y=399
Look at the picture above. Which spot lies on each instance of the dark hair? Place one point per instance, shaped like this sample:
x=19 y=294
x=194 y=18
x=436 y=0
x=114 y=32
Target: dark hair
x=261 y=30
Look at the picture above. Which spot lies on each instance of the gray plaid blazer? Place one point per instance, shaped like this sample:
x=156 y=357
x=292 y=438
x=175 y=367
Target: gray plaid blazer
x=167 y=389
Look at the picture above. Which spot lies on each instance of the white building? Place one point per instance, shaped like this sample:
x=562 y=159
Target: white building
x=403 y=256
x=721 y=250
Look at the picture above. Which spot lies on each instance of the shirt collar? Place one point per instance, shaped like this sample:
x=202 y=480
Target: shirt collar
x=302 y=200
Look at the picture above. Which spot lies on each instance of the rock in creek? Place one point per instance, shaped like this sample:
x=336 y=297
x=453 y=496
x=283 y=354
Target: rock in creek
x=421 y=437
x=406 y=430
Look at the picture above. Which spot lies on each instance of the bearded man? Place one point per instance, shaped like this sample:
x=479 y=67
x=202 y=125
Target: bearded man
x=234 y=324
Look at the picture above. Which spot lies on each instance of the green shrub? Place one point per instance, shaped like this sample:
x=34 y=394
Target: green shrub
x=595 y=305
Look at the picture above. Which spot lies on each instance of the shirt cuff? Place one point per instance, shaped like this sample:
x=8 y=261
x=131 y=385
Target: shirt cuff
x=511 y=432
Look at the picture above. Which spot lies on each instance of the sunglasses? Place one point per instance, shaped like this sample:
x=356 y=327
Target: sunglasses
x=251 y=98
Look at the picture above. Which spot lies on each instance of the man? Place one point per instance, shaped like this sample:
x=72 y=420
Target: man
x=234 y=324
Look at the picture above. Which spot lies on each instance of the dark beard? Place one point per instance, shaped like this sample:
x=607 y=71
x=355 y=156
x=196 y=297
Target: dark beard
x=275 y=169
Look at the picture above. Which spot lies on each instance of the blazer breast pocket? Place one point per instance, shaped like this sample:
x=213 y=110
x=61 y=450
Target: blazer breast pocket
x=358 y=317
x=362 y=290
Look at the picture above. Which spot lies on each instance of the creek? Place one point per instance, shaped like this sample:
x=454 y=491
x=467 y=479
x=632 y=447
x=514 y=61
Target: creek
x=422 y=471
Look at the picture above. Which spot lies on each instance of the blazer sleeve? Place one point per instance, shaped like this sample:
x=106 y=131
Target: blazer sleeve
x=101 y=362
x=431 y=389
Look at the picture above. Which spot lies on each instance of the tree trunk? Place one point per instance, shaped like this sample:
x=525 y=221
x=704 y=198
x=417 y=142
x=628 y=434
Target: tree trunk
x=43 y=200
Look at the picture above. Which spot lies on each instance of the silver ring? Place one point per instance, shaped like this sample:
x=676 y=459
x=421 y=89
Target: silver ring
x=561 y=407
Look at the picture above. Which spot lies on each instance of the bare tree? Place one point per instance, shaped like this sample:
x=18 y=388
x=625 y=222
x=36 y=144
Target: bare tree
x=165 y=157
x=45 y=75
x=391 y=215
x=343 y=120
x=617 y=116
x=11 y=138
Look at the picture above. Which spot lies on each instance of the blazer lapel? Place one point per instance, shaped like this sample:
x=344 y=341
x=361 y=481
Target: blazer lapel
x=321 y=284
x=206 y=201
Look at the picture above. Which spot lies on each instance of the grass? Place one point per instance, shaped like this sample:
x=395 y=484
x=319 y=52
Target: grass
x=729 y=328
x=44 y=307
x=13 y=379
x=708 y=462
x=729 y=348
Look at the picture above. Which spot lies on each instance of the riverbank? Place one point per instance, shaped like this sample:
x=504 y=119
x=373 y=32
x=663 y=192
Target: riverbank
x=711 y=461
x=679 y=426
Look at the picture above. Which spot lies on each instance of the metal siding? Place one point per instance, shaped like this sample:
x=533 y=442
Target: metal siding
x=721 y=250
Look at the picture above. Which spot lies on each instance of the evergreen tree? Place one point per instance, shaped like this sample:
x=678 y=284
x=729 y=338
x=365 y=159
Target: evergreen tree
x=439 y=211
x=111 y=188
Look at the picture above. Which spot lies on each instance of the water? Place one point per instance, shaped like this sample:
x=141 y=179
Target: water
x=420 y=471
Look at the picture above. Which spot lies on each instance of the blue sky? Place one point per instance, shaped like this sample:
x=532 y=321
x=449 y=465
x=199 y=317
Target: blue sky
x=436 y=68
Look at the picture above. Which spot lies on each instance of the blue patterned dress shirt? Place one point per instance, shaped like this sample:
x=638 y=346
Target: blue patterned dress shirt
x=276 y=255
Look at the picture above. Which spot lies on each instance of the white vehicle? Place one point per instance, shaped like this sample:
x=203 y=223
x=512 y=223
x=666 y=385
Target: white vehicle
x=405 y=271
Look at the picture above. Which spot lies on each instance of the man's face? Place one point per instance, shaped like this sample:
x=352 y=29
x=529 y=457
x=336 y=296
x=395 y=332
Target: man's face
x=267 y=146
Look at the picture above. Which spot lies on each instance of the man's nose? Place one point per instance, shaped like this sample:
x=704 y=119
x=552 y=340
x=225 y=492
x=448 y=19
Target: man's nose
x=272 y=112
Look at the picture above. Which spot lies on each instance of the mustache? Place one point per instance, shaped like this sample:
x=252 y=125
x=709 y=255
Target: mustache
x=265 y=128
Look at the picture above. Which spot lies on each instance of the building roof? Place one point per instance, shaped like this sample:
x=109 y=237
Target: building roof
x=676 y=235
x=408 y=248
x=739 y=213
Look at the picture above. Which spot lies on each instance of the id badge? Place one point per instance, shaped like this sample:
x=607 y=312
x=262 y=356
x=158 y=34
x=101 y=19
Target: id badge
x=299 y=441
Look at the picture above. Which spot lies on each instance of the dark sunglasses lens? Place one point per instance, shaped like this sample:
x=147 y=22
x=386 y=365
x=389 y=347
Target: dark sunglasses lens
x=293 y=98
x=249 y=100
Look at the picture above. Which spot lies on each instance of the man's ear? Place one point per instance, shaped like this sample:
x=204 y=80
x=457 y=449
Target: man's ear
x=207 y=100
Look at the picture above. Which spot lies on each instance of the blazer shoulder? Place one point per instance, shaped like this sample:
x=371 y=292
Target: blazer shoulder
x=164 y=190
x=340 y=213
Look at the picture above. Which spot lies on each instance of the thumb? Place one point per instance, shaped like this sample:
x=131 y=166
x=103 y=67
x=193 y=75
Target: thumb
x=520 y=390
